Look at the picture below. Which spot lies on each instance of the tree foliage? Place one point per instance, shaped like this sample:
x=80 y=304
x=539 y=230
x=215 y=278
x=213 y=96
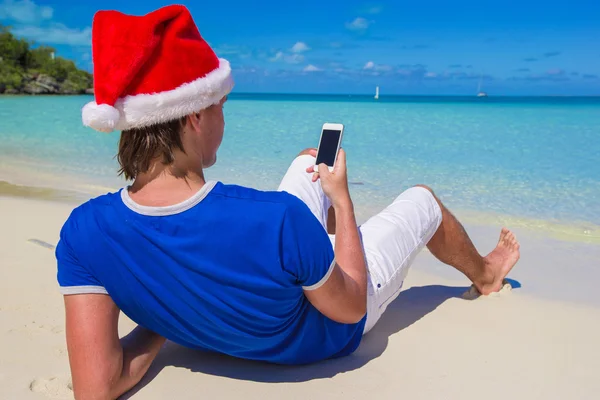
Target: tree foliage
x=20 y=63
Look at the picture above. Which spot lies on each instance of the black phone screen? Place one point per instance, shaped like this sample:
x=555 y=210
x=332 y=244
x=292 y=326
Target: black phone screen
x=328 y=147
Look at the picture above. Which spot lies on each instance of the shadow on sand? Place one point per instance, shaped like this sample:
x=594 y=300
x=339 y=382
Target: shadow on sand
x=410 y=306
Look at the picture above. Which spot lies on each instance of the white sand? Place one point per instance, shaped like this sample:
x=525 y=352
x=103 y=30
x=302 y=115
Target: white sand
x=429 y=345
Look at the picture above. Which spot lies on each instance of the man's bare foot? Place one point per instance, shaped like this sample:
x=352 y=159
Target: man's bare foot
x=500 y=262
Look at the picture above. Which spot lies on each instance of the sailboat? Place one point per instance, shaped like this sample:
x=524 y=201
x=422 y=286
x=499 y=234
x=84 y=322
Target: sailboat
x=479 y=92
x=377 y=93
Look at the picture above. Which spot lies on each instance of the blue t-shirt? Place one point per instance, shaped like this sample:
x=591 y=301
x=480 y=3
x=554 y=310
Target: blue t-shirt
x=223 y=271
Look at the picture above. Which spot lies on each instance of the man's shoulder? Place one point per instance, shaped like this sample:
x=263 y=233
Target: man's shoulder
x=81 y=214
x=288 y=207
x=101 y=201
x=255 y=195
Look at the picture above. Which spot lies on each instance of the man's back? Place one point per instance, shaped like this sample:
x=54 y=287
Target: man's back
x=223 y=271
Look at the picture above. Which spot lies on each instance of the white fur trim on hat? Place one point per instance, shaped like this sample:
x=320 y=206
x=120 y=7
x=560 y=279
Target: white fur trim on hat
x=150 y=109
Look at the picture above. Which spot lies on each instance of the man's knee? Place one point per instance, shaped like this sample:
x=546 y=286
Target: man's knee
x=306 y=152
x=426 y=188
x=430 y=190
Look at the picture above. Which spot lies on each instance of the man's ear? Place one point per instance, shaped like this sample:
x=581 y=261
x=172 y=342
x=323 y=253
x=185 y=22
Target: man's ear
x=194 y=121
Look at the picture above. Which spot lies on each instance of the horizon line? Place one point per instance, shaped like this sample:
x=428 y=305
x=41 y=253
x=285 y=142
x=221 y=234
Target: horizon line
x=415 y=95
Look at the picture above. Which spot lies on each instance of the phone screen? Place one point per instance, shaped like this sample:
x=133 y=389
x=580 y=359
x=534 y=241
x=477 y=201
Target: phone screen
x=328 y=147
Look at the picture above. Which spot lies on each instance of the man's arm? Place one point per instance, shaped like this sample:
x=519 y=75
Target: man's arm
x=343 y=297
x=102 y=365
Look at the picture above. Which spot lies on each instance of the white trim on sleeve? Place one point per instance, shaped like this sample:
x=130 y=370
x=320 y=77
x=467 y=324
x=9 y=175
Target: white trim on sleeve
x=69 y=290
x=323 y=280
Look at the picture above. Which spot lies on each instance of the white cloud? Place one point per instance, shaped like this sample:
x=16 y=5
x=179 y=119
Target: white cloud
x=56 y=34
x=277 y=57
x=383 y=68
x=294 y=59
x=245 y=70
x=288 y=58
x=311 y=68
x=34 y=22
x=300 y=47
x=377 y=67
x=358 y=25
x=430 y=75
x=46 y=12
x=374 y=10
x=24 y=11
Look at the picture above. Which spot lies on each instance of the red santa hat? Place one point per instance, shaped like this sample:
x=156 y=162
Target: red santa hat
x=151 y=69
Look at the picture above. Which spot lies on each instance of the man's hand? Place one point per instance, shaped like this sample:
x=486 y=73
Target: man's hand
x=335 y=183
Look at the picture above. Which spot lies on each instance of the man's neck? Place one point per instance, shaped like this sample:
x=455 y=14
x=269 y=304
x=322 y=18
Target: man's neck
x=165 y=187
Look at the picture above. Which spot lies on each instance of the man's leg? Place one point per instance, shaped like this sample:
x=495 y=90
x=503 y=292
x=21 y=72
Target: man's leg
x=298 y=182
x=393 y=238
x=331 y=221
x=451 y=245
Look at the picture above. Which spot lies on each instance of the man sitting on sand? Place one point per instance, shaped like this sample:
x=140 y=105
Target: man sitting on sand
x=218 y=267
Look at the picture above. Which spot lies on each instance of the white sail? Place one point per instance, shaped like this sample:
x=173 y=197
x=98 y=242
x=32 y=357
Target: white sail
x=479 y=92
x=376 y=92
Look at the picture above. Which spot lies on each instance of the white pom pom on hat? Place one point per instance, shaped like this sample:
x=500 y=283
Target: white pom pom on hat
x=151 y=69
x=101 y=117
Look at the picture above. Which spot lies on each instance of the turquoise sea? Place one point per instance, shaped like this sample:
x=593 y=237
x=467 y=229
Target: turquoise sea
x=534 y=159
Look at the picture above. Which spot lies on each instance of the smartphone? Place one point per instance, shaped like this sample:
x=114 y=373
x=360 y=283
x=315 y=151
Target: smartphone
x=329 y=145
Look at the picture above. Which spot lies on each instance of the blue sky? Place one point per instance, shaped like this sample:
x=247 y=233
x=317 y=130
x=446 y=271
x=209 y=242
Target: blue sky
x=527 y=47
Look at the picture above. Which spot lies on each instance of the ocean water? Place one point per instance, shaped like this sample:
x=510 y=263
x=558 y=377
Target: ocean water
x=527 y=158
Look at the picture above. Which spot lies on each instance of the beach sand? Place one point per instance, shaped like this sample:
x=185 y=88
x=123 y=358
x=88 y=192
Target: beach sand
x=539 y=341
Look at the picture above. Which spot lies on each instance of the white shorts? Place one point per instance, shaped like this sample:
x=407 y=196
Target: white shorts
x=391 y=239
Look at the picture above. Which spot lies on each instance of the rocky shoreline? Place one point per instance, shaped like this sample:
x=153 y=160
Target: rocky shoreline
x=39 y=84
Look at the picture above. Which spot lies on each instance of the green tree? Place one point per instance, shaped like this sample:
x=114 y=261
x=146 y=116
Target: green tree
x=20 y=63
x=39 y=58
x=11 y=77
x=12 y=50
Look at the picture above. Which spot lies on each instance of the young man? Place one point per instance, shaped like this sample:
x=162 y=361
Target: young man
x=219 y=267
